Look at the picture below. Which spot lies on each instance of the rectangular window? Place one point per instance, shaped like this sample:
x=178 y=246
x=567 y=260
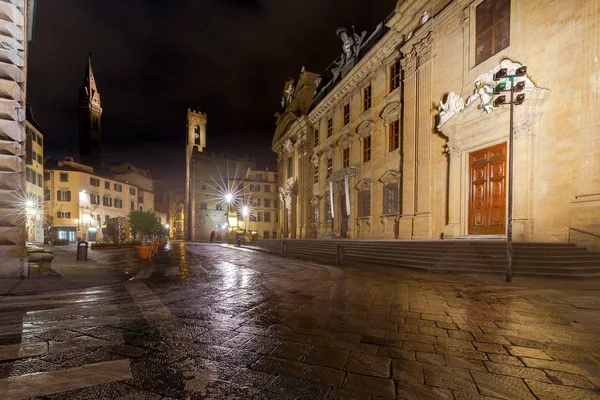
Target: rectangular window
x=106 y=219
x=61 y=214
x=267 y=188
x=118 y=203
x=492 y=28
x=40 y=159
x=346 y=157
x=94 y=198
x=28 y=149
x=107 y=201
x=46 y=175
x=40 y=182
x=219 y=207
x=394 y=135
x=367 y=98
x=267 y=217
x=34 y=156
x=315 y=213
x=94 y=181
x=106 y=185
x=266 y=235
x=259 y=216
x=46 y=194
x=327 y=209
x=132 y=205
x=254 y=187
x=259 y=177
x=391 y=198
x=63 y=195
x=395 y=76
x=367 y=149
x=132 y=191
x=267 y=203
x=329 y=127
x=276 y=203
x=289 y=167
x=274 y=234
x=33 y=176
x=329 y=167
x=364 y=203
x=118 y=187
x=64 y=177
x=316 y=137
x=346 y=114
x=316 y=176
x=40 y=140
x=203 y=206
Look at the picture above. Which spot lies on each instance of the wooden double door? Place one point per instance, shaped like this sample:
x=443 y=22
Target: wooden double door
x=487 y=197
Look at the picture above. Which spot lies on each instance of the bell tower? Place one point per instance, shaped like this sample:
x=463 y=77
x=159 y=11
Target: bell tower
x=89 y=108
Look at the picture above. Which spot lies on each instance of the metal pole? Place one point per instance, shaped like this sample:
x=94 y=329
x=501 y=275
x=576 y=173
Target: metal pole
x=510 y=190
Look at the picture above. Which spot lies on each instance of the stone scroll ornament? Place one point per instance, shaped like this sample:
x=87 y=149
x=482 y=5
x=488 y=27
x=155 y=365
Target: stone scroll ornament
x=484 y=91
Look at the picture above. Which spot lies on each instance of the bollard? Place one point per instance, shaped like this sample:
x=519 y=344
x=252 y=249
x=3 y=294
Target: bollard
x=283 y=247
x=82 y=250
x=339 y=254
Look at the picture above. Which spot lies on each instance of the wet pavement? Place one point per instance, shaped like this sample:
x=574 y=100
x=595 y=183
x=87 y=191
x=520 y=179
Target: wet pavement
x=208 y=321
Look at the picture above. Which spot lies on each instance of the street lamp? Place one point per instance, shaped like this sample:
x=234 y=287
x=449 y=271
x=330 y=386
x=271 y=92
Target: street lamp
x=245 y=213
x=512 y=87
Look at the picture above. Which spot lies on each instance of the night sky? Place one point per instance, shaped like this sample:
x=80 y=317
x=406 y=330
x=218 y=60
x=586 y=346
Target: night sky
x=154 y=58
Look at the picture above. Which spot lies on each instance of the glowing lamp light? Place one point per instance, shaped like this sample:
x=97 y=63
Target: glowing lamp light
x=166 y=226
x=245 y=211
x=229 y=197
x=86 y=219
x=29 y=203
x=233 y=222
x=225 y=225
x=31 y=212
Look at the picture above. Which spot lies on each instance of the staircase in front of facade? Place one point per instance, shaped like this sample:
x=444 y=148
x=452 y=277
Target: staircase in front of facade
x=559 y=260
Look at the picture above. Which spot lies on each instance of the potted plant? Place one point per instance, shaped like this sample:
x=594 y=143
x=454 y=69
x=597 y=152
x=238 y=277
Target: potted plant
x=144 y=224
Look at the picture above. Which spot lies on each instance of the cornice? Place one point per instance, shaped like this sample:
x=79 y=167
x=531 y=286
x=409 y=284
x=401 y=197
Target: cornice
x=368 y=63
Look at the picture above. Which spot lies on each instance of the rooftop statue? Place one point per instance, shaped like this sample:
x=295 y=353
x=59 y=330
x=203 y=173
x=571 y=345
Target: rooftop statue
x=350 y=44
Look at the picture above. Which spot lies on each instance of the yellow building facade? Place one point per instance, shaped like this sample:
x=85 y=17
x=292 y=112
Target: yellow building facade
x=79 y=203
x=256 y=204
x=33 y=201
x=405 y=140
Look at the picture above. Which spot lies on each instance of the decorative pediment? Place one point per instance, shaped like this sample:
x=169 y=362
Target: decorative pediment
x=483 y=93
x=329 y=152
x=390 y=176
x=344 y=141
x=364 y=184
x=390 y=112
x=364 y=128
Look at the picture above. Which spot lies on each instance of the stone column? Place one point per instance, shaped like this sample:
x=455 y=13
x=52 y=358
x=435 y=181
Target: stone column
x=454 y=151
x=301 y=168
x=422 y=227
x=409 y=66
x=13 y=63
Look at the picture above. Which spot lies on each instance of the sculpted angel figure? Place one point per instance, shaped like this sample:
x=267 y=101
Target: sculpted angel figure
x=485 y=93
x=288 y=93
x=350 y=44
x=454 y=105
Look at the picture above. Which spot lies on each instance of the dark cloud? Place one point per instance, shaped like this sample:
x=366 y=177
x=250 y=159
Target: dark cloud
x=154 y=58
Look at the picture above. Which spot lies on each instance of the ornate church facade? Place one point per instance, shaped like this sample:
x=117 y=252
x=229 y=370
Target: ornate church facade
x=408 y=140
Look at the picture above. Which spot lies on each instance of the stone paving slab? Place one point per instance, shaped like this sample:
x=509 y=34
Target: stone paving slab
x=240 y=324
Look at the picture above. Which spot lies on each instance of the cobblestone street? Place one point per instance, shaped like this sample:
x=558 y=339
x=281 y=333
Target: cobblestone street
x=216 y=322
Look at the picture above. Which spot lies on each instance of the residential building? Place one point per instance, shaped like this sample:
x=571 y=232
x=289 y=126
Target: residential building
x=177 y=212
x=34 y=181
x=79 y=202
x=256 y=195
x=365 y=154
x=16 y=29
x=133 y=175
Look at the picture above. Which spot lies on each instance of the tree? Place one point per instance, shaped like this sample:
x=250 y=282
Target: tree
x=145 y=224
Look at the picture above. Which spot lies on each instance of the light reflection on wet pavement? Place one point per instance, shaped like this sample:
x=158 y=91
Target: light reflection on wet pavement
x=218 y=322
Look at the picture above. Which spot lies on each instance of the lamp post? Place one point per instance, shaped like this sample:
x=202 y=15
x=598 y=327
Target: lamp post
x=513 y=87
x=245 y=213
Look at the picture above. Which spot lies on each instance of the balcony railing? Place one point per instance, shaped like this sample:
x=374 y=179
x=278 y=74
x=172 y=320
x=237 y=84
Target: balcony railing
x=340 y=174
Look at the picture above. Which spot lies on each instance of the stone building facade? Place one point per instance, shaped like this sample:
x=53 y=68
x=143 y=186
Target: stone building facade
x=34 y=178
x=256 y=204
x=405 y=141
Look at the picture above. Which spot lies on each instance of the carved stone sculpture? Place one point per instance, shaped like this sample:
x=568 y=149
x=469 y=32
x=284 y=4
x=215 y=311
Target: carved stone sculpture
x=454 y=105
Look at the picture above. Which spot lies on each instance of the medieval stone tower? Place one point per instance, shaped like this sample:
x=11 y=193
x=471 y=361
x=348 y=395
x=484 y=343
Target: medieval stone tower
x=196 y=142
x=90 y=113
